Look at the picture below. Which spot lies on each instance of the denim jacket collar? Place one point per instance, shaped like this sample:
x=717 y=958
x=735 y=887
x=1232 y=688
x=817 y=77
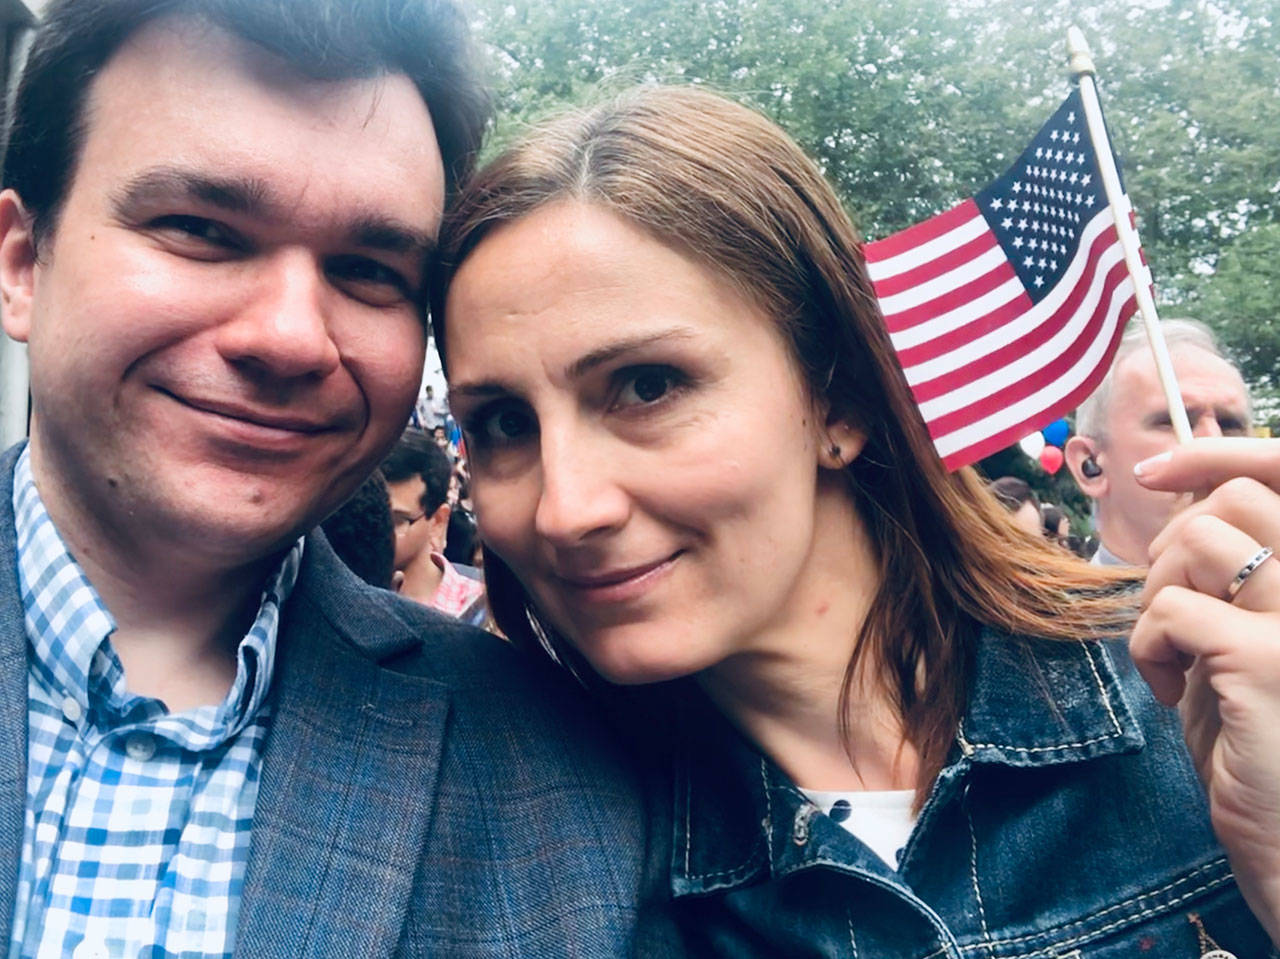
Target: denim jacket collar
x=739 y=820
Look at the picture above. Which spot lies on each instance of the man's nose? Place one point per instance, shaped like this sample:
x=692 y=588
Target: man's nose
x=281 y=325
x=580 y=494
x=1207 y=425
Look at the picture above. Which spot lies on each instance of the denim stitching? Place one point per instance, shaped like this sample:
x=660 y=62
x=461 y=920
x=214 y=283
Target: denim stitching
x=688 y=820
x=853 y=942
x=1045 y=749
x=973 y=867
x=1130 y=901
x=1106 y=701
x=1102 y=689
x=1151 y=910
x=1145 y=913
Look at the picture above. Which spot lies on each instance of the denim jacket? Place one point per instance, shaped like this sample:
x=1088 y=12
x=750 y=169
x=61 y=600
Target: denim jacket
x=1067 y=823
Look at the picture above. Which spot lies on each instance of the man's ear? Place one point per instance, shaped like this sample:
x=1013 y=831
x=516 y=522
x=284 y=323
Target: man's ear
x=17 y=266
x=1084 y=460
x=438 y=529
x=840 y=441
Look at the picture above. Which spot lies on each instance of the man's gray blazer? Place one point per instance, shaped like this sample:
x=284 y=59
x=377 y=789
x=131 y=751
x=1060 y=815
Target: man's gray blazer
x=426 y=789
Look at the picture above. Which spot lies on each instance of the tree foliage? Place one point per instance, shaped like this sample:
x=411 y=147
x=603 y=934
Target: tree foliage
x=910 y=106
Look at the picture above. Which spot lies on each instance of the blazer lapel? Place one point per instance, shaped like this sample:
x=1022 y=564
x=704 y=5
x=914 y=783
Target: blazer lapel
x=348 y=779
x=13 y=703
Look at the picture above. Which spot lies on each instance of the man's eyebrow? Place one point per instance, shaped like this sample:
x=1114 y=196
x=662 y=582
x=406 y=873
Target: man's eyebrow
x=251 y=196
x=391 y=236
x=234 y=194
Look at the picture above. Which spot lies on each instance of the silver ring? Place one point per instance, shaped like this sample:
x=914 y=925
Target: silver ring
x=1247 y=570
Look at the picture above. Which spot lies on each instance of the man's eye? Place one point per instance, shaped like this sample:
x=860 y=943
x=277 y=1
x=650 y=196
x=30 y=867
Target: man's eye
x=196 y=228
x=644 y=385
x=368 y=280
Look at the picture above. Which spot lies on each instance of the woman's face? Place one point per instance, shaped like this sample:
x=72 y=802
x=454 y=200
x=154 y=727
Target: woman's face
x=643 y=452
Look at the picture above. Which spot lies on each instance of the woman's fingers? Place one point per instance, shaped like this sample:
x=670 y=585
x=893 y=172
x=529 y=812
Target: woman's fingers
x=1243 y=502
x=1205 y=552
x=1204 y=464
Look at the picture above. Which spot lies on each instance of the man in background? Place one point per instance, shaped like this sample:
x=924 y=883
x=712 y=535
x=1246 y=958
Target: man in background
x=418 y=476
x=1126 y=420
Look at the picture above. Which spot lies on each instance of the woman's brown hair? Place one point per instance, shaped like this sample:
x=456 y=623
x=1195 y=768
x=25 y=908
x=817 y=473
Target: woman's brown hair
x=729 y=189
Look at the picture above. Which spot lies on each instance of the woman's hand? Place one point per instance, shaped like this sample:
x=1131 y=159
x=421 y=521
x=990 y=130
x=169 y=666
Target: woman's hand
x=1217 y=657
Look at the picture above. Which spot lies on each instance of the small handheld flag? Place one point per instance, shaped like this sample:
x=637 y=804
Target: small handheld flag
x=1006 y=310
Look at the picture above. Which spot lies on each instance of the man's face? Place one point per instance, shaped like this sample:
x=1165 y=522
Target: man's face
x=412 y=524
x=1138 y=426
x=222 y=328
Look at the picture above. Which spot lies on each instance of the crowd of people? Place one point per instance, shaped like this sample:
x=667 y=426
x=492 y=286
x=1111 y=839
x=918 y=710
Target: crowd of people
x=761 y=677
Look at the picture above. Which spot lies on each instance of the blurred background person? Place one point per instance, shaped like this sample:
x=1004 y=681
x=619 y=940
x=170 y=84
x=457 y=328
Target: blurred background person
x=1126 y=420
x=418 y=473
x=1018 y=498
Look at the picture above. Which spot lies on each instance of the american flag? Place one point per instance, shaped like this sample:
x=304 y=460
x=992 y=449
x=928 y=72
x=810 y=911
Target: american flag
x=1005 y=311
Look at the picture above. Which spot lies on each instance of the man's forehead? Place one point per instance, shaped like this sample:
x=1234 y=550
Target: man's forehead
x=182 y=93
x=1138 y=380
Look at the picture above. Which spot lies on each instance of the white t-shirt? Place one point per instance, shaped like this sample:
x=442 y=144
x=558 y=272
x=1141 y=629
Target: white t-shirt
x=881 y=818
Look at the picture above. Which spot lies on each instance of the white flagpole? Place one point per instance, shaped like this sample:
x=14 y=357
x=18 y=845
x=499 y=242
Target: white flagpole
x=1082 y=69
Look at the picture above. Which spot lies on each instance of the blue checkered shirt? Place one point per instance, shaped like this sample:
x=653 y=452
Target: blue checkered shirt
x=137 y=820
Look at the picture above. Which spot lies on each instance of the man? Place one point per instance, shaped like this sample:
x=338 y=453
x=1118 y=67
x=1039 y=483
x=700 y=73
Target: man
x=212 y=736
x=418 y=477
x=1126 y=420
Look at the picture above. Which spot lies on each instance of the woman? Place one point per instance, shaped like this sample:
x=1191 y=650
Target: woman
x=890 y=726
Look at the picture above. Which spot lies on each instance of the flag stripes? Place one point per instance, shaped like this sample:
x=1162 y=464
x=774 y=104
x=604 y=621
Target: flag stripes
x=1005 y=310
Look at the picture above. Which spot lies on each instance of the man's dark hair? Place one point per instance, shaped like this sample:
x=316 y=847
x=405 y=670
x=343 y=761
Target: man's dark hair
x=416 y=454
x=427 y=40
x=362 y=534
x=1012 y=492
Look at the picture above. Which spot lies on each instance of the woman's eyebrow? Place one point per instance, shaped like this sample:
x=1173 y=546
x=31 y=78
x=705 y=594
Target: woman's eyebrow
x=621 y=347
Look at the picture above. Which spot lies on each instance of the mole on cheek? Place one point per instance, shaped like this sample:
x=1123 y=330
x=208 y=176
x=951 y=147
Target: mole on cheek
x=823 y=607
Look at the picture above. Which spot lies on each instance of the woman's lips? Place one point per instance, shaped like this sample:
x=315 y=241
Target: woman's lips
x=618 y=585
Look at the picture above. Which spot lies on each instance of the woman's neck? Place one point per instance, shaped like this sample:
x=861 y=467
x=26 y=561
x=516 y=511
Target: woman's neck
x=783 y=691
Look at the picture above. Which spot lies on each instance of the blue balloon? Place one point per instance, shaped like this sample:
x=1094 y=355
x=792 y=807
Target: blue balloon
x=1056 y=433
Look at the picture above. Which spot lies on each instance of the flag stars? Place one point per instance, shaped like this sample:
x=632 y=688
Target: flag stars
x=1017 y=187
x=1043 y=263
x=1029 y=262
x=1054 y=136
x=1088 y=201
x=1017 y=243
x=997 y=204
x=1086 y=180
x=1006 y=223
x=1022 y=224
x=1039 y=281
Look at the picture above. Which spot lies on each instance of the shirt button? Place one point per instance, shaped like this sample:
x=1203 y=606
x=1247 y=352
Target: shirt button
x=140 y=746
x=72 y=709
x=91 y=949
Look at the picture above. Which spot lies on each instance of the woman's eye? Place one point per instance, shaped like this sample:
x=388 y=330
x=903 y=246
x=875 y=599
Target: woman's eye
x=647 y=385
x=499 y=427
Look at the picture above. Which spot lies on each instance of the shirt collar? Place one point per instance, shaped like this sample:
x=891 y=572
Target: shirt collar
x=1032 y=703
x=1104 y=557
x=68 y=624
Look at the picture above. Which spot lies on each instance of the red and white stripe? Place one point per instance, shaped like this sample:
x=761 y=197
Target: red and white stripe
x=987 y=366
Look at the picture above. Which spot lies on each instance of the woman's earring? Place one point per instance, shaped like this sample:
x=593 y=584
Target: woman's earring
x=834 y=453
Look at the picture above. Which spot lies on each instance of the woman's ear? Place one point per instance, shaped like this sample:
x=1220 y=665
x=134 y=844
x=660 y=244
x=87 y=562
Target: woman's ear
x=841 y=442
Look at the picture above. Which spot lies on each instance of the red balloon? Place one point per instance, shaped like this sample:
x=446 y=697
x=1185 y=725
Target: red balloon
x=1051 y=459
